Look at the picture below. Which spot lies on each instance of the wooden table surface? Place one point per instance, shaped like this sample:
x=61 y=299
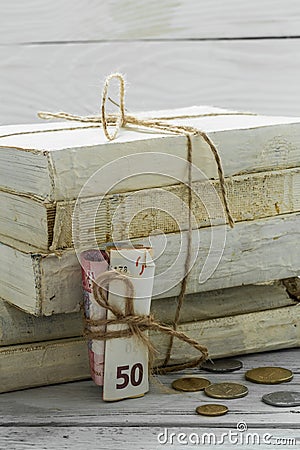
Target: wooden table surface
x=73 y=415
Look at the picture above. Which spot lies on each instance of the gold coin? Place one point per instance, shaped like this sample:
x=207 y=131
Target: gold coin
x=269 y=375
x=212 y=410
x=190 y=384
x=226 y=390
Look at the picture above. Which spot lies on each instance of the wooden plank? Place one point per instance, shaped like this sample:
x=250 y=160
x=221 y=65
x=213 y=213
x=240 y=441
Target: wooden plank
x=76 y=21
x=143 y=438
x=245 y=75
x=59 y=405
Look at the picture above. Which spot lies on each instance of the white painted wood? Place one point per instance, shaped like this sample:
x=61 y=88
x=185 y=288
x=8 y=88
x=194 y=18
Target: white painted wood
x=43 y=363
x=17 y=327
x=79 y=404
x=81 y=21
x=255 y=252
x=246 y=143
x=138 y=213
x=142 y=437
x=258 y=75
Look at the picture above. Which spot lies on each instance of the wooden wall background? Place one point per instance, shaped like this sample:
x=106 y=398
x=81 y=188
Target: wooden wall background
x=55 y=54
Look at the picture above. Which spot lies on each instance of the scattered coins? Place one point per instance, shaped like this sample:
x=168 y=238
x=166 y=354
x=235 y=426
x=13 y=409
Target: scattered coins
x=212 y=410
x=226 y=390
x=282 y=398
x=269 y=375
x=190 y=384
x=222 y=365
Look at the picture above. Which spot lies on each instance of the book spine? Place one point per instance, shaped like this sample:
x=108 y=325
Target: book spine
x=43 y=363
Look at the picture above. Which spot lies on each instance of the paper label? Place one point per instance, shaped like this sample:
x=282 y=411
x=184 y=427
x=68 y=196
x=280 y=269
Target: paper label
x=126 y=359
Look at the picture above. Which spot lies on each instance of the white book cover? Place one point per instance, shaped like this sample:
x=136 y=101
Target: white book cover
x=44 y=162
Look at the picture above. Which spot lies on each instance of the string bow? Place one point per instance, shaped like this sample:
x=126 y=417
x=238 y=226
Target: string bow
x=126 y=120
x=136 y=324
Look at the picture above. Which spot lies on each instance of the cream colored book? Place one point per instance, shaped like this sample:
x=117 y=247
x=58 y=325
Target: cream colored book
x=44 y=363
x=136 y=214
x=53 y=160
x=252 y=252
x=236 y=335
x=18 y=327
x=224 y=302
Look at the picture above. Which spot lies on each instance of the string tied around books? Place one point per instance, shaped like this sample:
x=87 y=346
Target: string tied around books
x=123 y=119
x=136 y=324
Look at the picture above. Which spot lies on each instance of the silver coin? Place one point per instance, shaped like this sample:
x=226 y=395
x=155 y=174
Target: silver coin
x=221 y=365
x=282 y=398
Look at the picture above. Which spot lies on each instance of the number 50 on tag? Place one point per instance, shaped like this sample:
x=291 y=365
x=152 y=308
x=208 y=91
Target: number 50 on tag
x=126 y=359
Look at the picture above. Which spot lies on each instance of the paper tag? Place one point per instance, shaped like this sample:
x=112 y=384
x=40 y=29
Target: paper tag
x=94 y=262
x=126 y=359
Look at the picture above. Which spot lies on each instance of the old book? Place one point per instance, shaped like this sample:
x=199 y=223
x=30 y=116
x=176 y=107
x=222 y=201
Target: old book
x=236 y=335
x=54 y=160
x=43 y=363
x=18 y=327
x=252 y=252
x=136 y=214
x=224 y=302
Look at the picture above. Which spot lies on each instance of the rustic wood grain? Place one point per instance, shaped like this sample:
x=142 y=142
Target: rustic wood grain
x=79 y=404
x=42 y=21
x=257 y=75
x=137 y=438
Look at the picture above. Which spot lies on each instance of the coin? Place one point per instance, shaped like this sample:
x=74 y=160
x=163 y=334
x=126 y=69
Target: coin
x=222 y=365
x=282 y=398
x=212 y=409
x=269 y=375
x=190 y=384
x=226 y=390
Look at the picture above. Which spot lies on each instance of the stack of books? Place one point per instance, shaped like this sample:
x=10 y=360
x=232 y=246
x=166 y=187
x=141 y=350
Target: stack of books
x=65 y=189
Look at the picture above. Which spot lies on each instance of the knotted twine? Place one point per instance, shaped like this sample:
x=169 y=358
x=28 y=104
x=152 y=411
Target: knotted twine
x=136 y=323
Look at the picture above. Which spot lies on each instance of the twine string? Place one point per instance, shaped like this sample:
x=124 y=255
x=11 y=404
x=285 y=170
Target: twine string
x=126 y=120
x=136 y=324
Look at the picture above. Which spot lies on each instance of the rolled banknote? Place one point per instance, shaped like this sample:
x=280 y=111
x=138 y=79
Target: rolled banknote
x=120 y=364
x=93 y=263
